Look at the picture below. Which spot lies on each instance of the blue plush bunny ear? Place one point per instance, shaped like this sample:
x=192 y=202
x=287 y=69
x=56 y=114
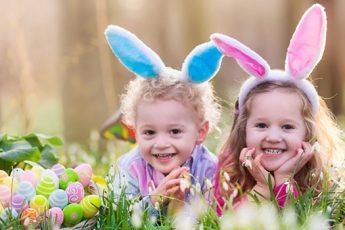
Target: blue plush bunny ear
x=202 y=63
x=133 y=53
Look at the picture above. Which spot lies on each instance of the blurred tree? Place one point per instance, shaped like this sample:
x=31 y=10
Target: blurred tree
x=82 y=88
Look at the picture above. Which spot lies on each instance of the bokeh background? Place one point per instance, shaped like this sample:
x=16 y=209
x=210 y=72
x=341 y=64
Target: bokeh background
x=59 y=77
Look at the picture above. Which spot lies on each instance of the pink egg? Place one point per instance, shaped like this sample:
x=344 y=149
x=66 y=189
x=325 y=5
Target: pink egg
x=75 y=192
x=3 y=175
x=84 y=172
x=5 y=195
x=19 y=203
x=29 y=176
x=56 y=216
x=58 y=169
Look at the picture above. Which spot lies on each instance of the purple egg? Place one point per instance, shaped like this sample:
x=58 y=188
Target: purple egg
x=75 y=192
x=58 y=169
x=19 y=203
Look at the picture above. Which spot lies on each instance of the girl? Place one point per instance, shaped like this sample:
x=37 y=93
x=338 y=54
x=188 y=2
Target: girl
x=171 y=115
x=278 y=117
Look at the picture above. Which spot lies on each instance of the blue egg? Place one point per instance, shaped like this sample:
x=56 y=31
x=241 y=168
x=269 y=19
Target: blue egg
x=58 y=198
x=27 y=190
x=7 y=212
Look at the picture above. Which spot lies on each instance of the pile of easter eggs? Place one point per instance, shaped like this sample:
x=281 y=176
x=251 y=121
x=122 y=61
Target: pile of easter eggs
x=59 y=194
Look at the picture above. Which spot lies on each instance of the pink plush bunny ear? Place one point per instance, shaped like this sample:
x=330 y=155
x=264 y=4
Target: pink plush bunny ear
x=308 y=43
x=249 y=61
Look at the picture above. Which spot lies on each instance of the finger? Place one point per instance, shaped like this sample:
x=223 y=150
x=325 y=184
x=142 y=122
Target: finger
x=246 y=152
x=173 y=190
x=175 y=173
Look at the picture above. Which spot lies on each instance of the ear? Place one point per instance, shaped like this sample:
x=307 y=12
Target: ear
x=133 y=53
x=202 y=63
x=249 y=61
x=203 y=131
x=307 y=43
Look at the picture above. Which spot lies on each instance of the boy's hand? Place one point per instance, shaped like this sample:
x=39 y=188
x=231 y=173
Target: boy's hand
x=294 y=164
x=170 y=186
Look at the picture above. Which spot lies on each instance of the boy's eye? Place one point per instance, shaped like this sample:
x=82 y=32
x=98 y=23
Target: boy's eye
x=149 y=132
x=175 y=131
x=261 y=125
x=288 y=127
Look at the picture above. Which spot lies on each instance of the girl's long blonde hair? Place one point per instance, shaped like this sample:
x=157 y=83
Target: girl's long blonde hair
x=320 y=127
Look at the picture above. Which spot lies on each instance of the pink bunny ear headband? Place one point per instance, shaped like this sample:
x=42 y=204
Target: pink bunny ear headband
x=199 y=66
x=305 y=51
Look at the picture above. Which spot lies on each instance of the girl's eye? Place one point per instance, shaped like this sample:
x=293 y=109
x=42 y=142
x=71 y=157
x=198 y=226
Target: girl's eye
x=175 y=131
x=261 y=125
x=288 y=127
x=149 y=132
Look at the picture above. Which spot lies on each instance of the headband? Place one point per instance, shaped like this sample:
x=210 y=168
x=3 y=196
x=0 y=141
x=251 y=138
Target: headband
x=305 y=51
x=199 y=66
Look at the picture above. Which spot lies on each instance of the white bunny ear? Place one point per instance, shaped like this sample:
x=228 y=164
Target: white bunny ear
x=307 y=43
x=133 y=53
x=249 y=61
x=202 y=63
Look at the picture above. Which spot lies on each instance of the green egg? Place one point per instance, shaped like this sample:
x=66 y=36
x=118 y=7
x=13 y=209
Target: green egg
x=68 y=176
x=45 y=186
x=73 y=214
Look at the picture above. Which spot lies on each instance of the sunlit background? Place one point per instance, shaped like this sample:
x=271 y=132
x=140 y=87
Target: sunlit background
x=59 y=77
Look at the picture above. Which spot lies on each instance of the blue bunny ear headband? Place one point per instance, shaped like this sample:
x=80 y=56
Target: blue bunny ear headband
x=199 y=66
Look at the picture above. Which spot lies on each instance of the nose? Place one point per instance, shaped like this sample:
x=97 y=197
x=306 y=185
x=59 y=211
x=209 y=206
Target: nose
x=273 y=135
x=161 y=142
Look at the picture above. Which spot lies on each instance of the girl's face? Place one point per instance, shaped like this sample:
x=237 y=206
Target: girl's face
x=167 y=132
x=275 y=127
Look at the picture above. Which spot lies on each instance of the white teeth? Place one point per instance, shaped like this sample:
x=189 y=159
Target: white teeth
x=163 y=155
x=273 y=151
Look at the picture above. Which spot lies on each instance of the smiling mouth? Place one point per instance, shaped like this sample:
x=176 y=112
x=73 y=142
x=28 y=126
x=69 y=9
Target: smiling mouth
x=163 y=155
x=273 y=151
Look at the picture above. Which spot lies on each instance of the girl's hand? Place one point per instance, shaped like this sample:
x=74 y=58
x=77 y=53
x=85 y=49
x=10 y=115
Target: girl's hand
x=255 y=168
x=170 y=186
x=294 y=164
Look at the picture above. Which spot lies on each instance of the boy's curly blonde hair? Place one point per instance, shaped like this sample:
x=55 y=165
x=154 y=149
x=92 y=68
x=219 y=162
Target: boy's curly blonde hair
x=199 y=96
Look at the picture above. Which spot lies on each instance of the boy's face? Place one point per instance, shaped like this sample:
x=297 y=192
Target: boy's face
x=275 y=127
x=166 y=132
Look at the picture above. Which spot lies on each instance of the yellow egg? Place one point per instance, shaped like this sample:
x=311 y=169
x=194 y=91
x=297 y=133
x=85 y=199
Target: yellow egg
x=90 y=205
x=3 y=175
x=1 y=208
x=11 y=182
x=37 y=170
x=39 y=203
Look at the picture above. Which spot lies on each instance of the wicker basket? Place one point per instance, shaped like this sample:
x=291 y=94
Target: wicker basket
x=85 y=224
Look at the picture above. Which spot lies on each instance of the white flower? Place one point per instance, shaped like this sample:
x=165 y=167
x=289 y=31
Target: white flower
x=157 y=206
x=153 y=219
x=112 y=171
x=136 y=220
x=234 y=193
x=184 y=184
x=247 y=163
x=225 y=186
x=288 y=187
x=208 y=184
x=226 y=176
x=192 y=191
x=321 y=176
x=316 y=147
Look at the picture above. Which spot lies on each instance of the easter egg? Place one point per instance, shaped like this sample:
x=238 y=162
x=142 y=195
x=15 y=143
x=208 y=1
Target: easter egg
x=68 y=176
x=29 y=176
x=8 y=212
x=55 y=216
x=84 y=172
x=29 y=216
x=90 y=205
x=19 y=202
x=58 y=198
x=50 y=173
x=3 y=175
x=73 y=214
x=45 y=186
x=75 y=192
x=26 y=189
x=5 y=195
x=39 y=203
x=16 y=173
x=37 y=170
x=11 y=182
x=58 y=169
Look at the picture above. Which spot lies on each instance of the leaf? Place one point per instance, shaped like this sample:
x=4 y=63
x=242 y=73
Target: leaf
x=53 y=140
x=48 y=157
x=20 y=154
